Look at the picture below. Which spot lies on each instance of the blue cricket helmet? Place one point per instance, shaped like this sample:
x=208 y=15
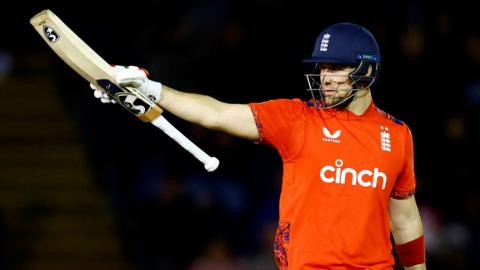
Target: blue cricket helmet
x=345 y=43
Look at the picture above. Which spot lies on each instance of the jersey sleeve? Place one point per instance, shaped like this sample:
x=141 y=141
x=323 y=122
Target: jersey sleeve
x=406 y=182
x=280 y=124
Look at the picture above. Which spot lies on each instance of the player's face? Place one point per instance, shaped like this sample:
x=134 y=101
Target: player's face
x=336 y=85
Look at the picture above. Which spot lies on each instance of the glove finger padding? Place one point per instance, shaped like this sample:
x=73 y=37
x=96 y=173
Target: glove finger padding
x=136 y=77
x=131 y=76
x=93 y=86
x=100 y=94
x=106 y=98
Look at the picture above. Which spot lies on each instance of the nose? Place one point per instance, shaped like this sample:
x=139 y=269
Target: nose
x=328 y=81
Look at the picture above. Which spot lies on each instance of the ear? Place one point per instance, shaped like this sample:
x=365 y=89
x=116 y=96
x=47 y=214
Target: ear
x=370 y=70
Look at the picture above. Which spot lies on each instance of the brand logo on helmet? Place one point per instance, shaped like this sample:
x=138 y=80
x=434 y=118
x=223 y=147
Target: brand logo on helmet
x=367 y=57
x=364 y=178
x=324 y=43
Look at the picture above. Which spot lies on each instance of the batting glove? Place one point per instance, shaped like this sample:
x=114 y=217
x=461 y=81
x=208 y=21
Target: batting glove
x=131 y=76
x=137 y=78
x=100 y=94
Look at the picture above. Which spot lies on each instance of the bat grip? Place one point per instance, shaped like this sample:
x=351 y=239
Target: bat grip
x=210 y=163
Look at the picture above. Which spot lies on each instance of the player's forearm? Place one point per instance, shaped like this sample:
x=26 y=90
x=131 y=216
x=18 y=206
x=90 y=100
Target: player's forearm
x=407 y=230
x=405 y=234
x=405 y=220
x=195 y=108
x=234 y=119
x=417 y=267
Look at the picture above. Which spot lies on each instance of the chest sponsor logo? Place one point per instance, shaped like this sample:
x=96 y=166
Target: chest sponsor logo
x=341 y=175
x=329 y=137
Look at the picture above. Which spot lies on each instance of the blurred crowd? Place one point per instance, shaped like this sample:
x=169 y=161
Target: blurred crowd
x=171 y=214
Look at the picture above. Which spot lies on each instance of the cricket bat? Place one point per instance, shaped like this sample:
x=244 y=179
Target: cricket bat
x=86 y=62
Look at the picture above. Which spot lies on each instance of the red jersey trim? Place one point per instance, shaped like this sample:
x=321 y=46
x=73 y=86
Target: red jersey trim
x=258 y=124
x=399 y=195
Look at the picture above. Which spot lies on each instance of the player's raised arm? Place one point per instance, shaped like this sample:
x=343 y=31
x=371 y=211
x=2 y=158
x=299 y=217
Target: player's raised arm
x=92 y=67
x=234 y=119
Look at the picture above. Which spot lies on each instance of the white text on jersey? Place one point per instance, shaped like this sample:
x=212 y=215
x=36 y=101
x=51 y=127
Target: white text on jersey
x=328 y=137
x=364 y=178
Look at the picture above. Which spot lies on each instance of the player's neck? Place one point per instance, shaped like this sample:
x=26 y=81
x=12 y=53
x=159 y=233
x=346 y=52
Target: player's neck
x=360 y=103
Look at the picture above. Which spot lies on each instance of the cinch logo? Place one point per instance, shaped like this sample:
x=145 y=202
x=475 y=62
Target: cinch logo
x=364 y=178
x=329 y=137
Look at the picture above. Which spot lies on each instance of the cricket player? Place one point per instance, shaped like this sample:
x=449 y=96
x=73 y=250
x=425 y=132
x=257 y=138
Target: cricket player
x=348 y=167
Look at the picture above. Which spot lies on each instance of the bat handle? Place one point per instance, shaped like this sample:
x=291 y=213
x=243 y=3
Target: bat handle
x=210 y=163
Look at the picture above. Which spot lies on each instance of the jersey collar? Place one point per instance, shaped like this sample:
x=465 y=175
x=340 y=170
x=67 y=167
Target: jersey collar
x=347 y=114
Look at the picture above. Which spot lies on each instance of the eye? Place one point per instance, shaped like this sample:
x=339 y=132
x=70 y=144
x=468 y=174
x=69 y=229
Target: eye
x=333 y=67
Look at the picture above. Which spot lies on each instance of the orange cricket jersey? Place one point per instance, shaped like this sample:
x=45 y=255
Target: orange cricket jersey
x=339 y=172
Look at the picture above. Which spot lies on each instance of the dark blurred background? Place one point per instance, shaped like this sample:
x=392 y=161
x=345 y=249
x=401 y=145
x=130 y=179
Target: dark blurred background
x=84 y=185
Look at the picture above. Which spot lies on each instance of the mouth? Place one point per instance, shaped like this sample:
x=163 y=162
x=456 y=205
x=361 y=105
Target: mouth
x=328 y=92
